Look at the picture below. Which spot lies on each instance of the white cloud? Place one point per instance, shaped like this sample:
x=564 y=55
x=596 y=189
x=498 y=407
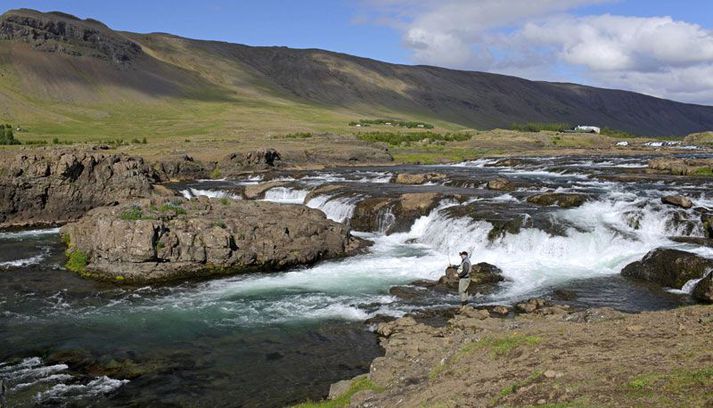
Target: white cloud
x=540 y=40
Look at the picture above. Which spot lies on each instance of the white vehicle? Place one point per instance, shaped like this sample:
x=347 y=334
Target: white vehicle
x=588 y=129
x=623 y=143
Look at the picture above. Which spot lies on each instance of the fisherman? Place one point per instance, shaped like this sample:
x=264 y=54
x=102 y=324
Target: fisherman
x=464 y=277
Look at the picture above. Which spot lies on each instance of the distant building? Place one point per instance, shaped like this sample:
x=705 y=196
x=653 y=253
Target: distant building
x=588 y=129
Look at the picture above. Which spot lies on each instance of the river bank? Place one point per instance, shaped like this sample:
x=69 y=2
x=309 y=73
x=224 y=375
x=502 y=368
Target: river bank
x=550 y=358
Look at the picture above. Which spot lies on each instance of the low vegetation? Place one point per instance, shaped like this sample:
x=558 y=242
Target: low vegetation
x=535 y=127
x=297 y=135
x=618 y=134
x=407 y=138
x=360 y=384
x=392 y=122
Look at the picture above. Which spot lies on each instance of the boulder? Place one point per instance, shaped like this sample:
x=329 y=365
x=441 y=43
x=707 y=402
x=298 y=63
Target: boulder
x=500 y=184
x=668 y=267
x=418 y=178
x=181 y=168
x=55 y=186
x=161 y=239
x=563 y=200
x=678 y=201
x=703 y=291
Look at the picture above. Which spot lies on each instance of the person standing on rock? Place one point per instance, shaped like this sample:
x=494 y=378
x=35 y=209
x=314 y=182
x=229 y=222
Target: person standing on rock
x=464 y=277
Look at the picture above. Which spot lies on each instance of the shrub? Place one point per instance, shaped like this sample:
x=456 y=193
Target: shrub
x=7 y=137
x=392 y=122
x=215 y=174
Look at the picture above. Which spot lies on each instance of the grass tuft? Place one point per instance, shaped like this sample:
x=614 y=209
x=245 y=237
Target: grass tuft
x=77 y=260
x=132 y=214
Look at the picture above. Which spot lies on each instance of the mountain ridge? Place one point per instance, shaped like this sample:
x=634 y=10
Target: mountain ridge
x=88 y=65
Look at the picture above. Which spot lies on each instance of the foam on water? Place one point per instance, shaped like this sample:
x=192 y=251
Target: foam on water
x=18 y=235
x=20 y=263
x=195 y=192
x=31 y=373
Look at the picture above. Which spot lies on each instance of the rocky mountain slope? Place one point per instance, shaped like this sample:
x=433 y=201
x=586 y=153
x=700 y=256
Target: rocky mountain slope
x=106 y=77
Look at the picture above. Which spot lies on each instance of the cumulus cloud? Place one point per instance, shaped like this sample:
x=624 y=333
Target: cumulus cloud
x=543 y=40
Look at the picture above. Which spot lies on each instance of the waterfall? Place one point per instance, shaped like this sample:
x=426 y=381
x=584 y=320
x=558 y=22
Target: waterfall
x=285 y=195
x=339 y=209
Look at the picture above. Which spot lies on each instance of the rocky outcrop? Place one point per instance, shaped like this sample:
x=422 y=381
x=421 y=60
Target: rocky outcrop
x=239 y=163
x=418 y=178
x=563 y=200
x=668 y=267
x=681 y=167
x=181 y=168
x=48 y=186
x=66 y=34
x=507 y=217
x=161 y=239
x=393 y=214
x=677 y=201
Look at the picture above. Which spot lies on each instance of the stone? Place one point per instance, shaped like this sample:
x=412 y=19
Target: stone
x=678 y=201
x=551 y=374
x=500 y=184
x=501 y=310
x=531 y=305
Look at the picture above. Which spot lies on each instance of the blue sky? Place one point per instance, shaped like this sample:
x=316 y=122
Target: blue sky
x=609 y=43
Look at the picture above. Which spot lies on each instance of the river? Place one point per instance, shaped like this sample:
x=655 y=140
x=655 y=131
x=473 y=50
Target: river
x=275 y=339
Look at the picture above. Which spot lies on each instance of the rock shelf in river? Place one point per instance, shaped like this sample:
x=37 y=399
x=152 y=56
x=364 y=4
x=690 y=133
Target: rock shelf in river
x=168 y=239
